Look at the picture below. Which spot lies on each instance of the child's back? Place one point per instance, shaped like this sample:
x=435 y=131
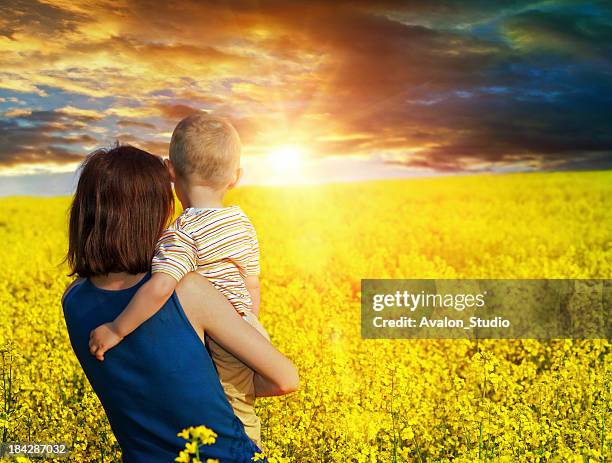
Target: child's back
x=225 y=245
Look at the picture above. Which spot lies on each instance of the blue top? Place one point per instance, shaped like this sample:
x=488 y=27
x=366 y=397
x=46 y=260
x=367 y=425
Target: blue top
x=159 y=380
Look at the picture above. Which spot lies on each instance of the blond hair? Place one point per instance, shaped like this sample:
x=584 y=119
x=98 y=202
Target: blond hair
x=205 y=148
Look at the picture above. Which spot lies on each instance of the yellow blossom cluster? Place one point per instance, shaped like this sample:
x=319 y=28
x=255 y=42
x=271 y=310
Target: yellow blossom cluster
x=360 y=401
x=196 y=437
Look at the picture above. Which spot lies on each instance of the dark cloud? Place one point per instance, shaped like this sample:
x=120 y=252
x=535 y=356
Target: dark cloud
x=176 y=112
x=432 y=162
x=44 y=137
x=45 y=18
x=138 y=124
x=506 y=129
x=155 y=147
x=581 y=35
x=31 y=145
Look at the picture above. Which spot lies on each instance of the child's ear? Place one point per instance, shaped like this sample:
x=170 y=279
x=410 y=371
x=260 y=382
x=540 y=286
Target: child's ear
x=170 y=168
x=237 y=177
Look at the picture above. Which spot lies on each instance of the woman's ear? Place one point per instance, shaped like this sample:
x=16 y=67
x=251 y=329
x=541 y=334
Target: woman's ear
x=170 y=168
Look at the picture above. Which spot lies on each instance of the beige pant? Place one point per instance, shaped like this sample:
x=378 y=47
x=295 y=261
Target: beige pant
x=237 y=381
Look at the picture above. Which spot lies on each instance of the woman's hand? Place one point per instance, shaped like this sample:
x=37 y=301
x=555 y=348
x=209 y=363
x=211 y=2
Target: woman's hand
x=102 y=339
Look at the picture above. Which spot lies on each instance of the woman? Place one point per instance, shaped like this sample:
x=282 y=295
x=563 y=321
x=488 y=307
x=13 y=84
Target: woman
x=161 y=379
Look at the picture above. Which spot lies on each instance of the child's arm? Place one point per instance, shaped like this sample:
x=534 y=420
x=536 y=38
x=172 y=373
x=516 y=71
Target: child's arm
x=146 y=302
x=252 y=285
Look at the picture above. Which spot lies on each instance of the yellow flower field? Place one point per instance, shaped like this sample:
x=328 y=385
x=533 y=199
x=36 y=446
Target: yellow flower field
x=360 y=400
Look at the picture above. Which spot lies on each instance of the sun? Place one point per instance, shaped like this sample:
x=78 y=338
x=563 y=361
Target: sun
x=287 y=158
x=287 y=164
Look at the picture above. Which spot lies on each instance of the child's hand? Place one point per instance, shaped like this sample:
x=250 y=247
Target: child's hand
x=103 y=338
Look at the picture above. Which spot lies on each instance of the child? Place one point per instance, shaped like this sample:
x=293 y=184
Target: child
x=218 y=242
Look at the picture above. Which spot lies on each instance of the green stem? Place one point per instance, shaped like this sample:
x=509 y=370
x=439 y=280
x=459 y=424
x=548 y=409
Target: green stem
x=603 y=428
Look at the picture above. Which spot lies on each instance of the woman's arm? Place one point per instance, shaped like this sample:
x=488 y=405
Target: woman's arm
x=209 y=311
x=266 y=388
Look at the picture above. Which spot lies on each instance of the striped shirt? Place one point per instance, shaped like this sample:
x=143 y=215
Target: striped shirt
x=219 y=243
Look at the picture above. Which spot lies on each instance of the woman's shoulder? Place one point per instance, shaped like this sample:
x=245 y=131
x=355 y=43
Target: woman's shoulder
x=70 y=287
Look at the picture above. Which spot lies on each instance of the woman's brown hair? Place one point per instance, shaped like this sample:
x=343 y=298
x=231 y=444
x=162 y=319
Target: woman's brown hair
x=122 y=203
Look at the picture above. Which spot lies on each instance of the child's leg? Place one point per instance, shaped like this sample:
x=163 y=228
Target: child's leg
x=237 y=381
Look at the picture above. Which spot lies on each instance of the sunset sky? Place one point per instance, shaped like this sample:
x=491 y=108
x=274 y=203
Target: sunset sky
x=319 y=90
